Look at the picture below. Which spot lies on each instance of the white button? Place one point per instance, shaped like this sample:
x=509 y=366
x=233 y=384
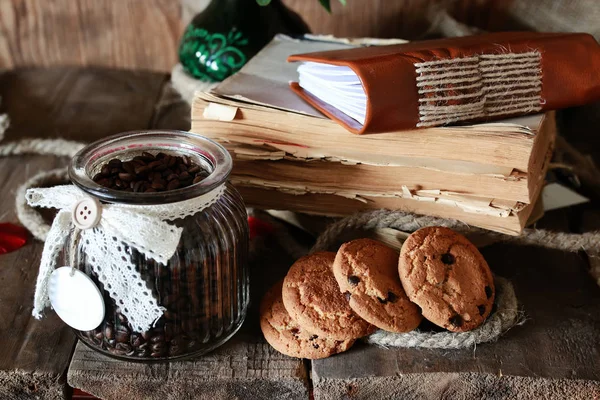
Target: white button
x=86 y=213
x=76 y=298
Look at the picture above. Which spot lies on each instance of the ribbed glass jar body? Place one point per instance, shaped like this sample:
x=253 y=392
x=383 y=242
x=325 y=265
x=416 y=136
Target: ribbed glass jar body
x=204 y=286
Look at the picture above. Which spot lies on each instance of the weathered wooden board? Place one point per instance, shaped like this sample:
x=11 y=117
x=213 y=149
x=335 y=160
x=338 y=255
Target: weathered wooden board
x=78 y=104
x=555 y=354
x=34 y=354
x=110 y=33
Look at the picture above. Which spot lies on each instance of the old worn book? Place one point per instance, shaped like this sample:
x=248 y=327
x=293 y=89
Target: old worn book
x=289 y=156
x=436 y=82
x=502 y=161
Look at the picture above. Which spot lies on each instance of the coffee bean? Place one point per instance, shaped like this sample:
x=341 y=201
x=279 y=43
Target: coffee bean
x=122 y=335
x=136 y=340
x=184 y=175
x=194 y=169
x=147 y=156
x=197 y=179
x=108 y=332
x=118 y=352
x=105 y=171
x=158 y=346
x=155 y=164
x=115 y=162
x=141 y=170
x=123 y=346
x=157 y=186
x=174 y=184
x=129 y=167
x=127 y=177
x=353 y=280
x=157 y=339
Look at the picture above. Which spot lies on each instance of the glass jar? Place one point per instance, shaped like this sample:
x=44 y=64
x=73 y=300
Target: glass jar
x=204 y=286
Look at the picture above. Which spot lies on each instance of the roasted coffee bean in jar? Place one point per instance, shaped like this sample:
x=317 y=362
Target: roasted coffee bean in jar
x=200 y=293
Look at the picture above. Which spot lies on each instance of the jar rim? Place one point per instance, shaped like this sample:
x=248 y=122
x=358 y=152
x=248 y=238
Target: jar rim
x=187 y=143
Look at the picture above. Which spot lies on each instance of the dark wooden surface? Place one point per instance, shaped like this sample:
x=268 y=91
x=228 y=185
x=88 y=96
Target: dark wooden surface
x=560 y=340
x=556 y=351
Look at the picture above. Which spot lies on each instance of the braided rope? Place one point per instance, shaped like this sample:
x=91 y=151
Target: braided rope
x=55 y=147
x=407 y=222
x=506 y=316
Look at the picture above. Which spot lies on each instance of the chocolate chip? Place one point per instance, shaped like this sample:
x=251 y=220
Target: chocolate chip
x=481 y=310
x=447 y=258
x=347 y=295
x=382 y=301
x=488 y=292
x=456 y=320
x=391 y=297
x=295 y=331
x=353 y=280
x=316 y=346
x=313 y=337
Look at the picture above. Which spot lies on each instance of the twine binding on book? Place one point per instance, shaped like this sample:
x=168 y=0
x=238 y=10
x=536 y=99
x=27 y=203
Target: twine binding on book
x=468 y=88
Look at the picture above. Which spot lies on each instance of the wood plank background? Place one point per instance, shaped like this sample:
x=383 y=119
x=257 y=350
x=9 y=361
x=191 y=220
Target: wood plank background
x=144 y=34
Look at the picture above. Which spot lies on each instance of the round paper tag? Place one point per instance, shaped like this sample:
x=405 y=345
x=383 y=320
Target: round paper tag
x=76 y=299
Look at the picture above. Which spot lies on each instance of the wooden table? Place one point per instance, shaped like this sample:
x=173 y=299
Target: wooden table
x=555 y=354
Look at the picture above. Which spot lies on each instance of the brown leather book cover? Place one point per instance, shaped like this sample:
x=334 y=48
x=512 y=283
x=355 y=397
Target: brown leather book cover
x=474 y=78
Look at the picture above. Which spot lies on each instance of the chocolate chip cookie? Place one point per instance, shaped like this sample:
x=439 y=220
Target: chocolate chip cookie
x=367 y=273
x=313 y=299
x=445 y=274
x=287 y=337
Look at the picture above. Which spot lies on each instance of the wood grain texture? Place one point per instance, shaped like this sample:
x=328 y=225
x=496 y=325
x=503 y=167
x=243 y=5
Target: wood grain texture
x=553 y=355
x=126 y=33
x=78 y=104
x=35 y=354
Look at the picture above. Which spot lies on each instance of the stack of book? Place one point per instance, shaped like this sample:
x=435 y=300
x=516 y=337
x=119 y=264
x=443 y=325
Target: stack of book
x=287 y=156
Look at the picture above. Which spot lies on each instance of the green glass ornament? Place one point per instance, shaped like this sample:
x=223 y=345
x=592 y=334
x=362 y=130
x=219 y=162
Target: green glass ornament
x=223 y=37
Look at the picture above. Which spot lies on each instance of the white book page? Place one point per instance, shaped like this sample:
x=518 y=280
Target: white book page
x=338 y=86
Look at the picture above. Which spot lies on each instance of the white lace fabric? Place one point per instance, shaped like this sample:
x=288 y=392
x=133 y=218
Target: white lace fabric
x=140 y=227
